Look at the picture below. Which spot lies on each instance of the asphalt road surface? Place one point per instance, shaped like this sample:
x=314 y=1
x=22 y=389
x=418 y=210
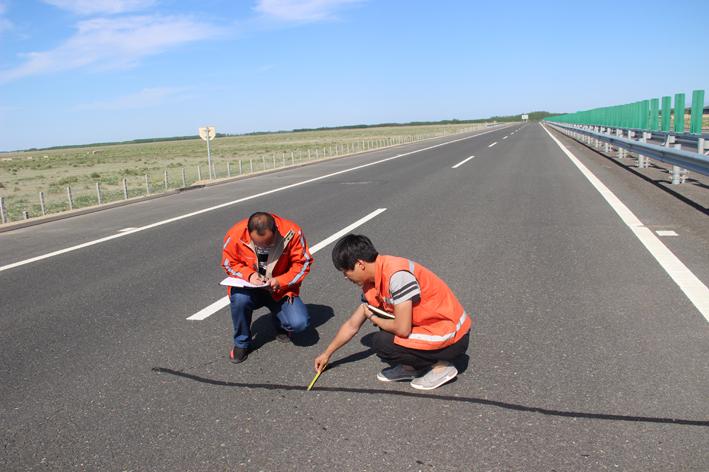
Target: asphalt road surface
x=586 y=354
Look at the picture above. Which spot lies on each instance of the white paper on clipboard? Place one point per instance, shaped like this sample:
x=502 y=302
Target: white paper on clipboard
x=380 y=312
x=241 y=283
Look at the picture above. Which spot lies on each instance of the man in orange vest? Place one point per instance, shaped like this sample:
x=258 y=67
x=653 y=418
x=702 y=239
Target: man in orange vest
x=267 y=250
x=423 y=327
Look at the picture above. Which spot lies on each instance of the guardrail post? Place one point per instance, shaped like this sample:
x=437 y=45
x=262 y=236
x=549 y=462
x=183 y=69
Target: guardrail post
x=98 y=193
x=677 y=177
x=701 y=146
x=642 y=161
x=69 y=197
x=41 y=203
x=3 y=213
x=125 y=187
x=621 y=151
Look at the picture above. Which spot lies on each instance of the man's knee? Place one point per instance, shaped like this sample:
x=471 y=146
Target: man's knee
x=382 y=342
x=297 y=317
x=240 y=301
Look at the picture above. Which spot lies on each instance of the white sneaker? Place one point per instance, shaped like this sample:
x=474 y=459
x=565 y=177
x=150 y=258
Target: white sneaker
x=435 y=379
x=396 y=373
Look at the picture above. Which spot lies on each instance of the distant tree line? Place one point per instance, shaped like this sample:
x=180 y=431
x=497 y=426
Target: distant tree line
x=533 y=116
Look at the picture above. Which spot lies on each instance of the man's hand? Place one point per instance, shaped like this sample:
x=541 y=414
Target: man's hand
x=273 y=284
x=256 y=279
x=321 y=361
x=370 y=314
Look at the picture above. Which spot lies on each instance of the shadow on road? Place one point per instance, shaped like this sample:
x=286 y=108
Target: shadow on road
x=433 y=396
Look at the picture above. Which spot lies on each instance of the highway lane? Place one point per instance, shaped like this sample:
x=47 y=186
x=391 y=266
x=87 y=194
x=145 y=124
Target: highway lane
x=25 y=243
x=576 y=365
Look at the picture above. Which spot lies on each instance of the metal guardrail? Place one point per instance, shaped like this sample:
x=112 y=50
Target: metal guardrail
x=679 y=158
x=682 y=138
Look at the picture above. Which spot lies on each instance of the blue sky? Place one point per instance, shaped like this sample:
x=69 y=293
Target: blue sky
x=82 y=71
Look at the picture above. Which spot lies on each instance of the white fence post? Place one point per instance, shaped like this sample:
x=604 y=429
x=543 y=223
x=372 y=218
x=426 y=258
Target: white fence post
x=184 y=180
x=41 y=203
x=147 y=185
x=3 y=214
x=69 y=197
x=228 y=168
x=165 y=179
x=125 y=189
x=98 y=192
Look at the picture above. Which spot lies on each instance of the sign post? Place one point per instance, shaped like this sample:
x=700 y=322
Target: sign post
x=208 y=133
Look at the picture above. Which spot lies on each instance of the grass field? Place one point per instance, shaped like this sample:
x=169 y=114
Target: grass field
x=23 y=175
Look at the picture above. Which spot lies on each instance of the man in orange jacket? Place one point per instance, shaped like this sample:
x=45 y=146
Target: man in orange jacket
x=422 y=325
x=267 y=250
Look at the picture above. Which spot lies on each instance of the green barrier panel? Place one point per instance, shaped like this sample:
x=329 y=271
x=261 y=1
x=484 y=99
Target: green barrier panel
x=654 y=113
x=695 y=122
x=643 y=113
x=666 y=113
x=679 y=113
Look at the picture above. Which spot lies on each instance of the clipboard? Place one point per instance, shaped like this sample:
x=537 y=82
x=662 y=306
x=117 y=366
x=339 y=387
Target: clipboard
x=240 y=283
x=379 y=312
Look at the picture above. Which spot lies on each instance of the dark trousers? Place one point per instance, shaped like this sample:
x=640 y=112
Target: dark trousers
x=384 y=347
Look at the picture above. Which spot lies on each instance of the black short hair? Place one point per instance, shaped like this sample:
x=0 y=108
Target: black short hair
x=352 y=248
x=260 y=222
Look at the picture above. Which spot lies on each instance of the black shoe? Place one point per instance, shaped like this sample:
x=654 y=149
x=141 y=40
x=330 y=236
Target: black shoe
x=238 y=355
x=283 y=336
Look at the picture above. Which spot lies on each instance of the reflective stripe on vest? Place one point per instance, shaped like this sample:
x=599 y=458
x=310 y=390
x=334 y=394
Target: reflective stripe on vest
x=438 y=339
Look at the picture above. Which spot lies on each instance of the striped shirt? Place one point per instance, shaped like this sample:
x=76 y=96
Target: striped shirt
x=404 y=286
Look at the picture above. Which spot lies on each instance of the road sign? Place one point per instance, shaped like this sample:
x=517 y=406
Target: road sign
x=207 y=131
x=525 y=117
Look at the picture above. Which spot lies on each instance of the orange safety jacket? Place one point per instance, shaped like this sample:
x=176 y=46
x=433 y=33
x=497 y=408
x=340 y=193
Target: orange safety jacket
x=288 y=261
x=438 y=319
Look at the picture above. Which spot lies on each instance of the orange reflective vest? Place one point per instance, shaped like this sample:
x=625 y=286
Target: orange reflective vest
x=289 y=261
x=438 y=319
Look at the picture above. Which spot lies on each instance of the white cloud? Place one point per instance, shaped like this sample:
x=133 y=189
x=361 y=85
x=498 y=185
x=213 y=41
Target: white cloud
x=302 y=10
x=146 y=98
x=107 y=43
x=93 y=7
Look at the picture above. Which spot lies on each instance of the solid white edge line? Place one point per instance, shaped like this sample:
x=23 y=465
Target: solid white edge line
x=462 y=162
x=222 y=205
x=224 y=301
x=492 y=144
x=693 y=288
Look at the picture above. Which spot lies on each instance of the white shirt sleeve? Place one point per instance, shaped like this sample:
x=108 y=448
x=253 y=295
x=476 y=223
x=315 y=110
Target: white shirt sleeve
x=404 y=286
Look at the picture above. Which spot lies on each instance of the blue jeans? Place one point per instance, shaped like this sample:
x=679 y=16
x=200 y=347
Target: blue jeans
x=292 y=317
